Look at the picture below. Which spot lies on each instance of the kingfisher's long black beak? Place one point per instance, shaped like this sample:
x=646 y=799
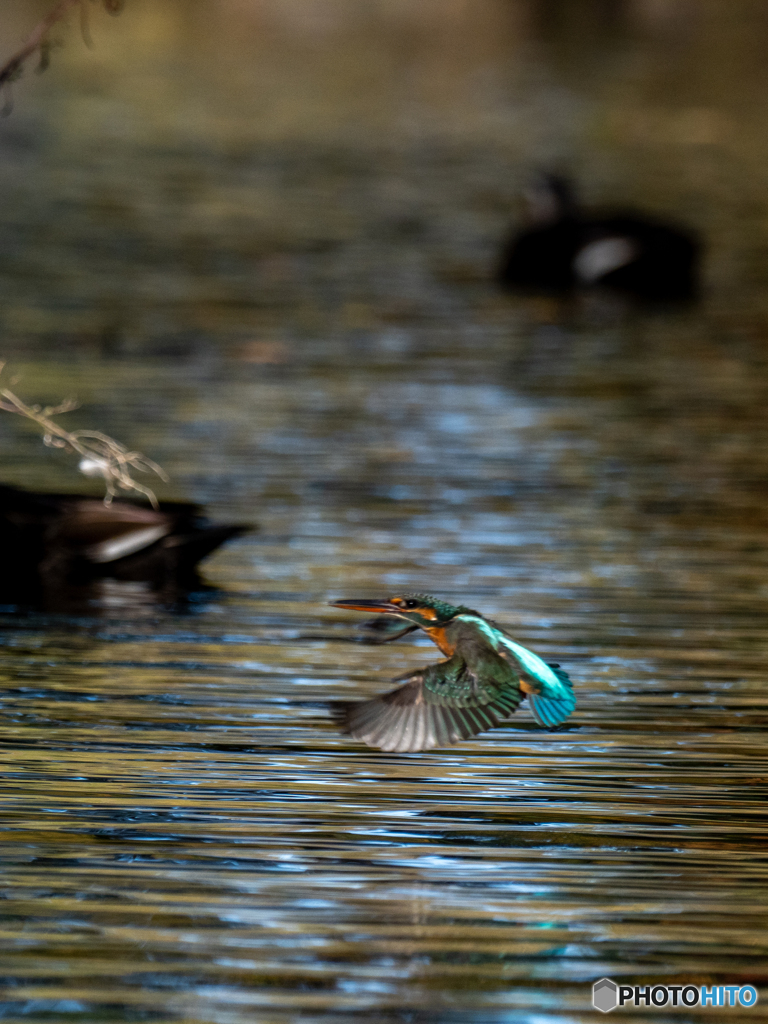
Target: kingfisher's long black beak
x=383 y=607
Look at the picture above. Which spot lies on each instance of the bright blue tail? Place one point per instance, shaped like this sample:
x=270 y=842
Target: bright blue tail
x=550 y=712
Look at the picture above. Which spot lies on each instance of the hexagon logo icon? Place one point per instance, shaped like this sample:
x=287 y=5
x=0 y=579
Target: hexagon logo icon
x=604 y=995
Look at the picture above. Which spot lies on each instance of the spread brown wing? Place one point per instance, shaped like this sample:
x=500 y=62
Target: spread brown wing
x=413 y=717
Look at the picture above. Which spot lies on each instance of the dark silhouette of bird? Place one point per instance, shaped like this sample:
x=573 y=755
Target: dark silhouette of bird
x=51 y=542
x=483 y=679
x=564 y=248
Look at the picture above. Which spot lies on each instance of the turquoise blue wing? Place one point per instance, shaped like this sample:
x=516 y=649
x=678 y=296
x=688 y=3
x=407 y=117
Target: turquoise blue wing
x=555 y=699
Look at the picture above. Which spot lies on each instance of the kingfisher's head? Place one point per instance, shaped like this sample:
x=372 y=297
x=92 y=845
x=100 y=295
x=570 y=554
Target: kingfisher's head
x=418 y=609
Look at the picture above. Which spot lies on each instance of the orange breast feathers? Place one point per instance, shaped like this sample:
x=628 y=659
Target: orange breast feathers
x=437 y=634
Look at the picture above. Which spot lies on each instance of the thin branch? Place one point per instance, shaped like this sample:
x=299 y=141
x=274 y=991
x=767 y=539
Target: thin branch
x=12 y=67
x=100 y=455
x=85 y=28
x=38 y=40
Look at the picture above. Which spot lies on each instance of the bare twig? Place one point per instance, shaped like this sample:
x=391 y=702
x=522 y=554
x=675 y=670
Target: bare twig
x=100 y=455
x=39 y=42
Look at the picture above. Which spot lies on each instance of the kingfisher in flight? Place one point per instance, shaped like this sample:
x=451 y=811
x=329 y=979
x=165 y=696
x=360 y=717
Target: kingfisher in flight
x=482 y=680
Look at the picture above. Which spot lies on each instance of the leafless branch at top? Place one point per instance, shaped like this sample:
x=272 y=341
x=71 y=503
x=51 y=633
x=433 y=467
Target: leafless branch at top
x=100 y=455
x=39 y=42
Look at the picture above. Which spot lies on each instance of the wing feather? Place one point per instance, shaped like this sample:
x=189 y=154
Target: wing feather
x=443 y=731
x=418 y=739
x=407 y=739
x=409 y=729
x=363 y=715
x=430 y=732
x=461 y=729
x=380 y=726
x=391 y=735
x=415 y=716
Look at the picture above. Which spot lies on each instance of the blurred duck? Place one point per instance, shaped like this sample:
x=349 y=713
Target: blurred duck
x=565 y=248
x=49 y=541
x=483 y=679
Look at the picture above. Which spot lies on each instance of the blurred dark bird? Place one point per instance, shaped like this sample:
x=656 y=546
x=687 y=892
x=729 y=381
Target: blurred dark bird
x=50 y=541
x=565 y=248
x=483 y=679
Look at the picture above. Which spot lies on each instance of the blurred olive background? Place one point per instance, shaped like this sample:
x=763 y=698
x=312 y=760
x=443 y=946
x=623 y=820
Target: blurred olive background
x=257 y=241
x=181 y=177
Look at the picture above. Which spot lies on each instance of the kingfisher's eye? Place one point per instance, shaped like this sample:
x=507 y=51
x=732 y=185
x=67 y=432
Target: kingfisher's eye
x=410 y=604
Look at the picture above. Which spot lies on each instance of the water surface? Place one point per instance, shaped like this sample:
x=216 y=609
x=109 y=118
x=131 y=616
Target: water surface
x=257 y=244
